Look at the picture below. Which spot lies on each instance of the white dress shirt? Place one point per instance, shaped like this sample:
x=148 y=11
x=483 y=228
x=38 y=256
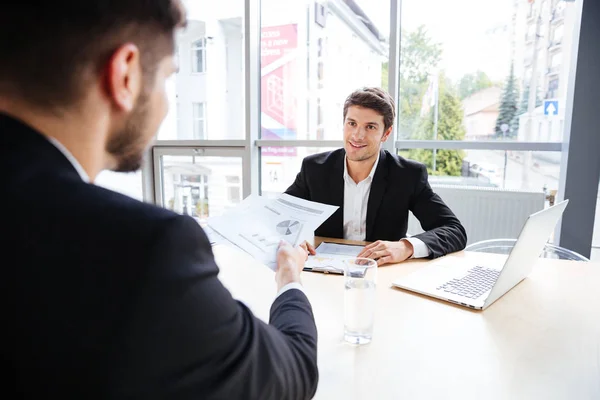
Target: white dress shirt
x=356 y=200
x=84 y=176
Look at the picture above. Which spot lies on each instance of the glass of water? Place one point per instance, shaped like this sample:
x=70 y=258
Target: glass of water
x=360 y=276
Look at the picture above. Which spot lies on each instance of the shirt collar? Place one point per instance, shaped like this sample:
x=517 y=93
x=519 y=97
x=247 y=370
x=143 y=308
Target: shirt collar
x=84 y=176
x=371 y=174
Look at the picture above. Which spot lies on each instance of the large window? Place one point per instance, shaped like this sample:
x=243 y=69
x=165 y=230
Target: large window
x=313 y=55
x=480 y=88
x=197 y=183
x=484 y=78
x=211 y=70
x=473 y=60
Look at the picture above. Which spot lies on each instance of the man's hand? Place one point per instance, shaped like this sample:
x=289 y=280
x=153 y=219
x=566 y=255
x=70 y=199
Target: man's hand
x=385 y=252
x=309 y=248
x=290 y=261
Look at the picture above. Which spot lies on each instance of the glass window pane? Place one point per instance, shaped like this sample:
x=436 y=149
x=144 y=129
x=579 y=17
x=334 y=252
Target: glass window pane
x=467 y=69
x=313 y=55
x=199 y=186
x=199 y=55
x=199 y=110
x=234 y=194
x=210 y=50
x=129 y=184
x=486 y=168
x=280 y=165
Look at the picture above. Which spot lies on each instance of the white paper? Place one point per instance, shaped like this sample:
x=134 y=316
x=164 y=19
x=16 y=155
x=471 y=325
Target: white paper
x=349 y=250
x=214 y=237
x=258 y=224
x=330 y=257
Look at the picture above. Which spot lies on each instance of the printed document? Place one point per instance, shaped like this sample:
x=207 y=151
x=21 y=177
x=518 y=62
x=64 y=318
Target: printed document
x=330 y=257
x=258 y=224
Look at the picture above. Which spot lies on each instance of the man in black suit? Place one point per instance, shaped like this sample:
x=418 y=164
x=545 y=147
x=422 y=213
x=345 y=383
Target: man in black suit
x=104 y=296
x=375 y=189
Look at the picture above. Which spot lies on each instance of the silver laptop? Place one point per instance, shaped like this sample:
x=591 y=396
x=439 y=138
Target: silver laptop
x=478 y=286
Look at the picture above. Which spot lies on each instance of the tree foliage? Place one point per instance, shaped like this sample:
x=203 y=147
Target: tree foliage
x=450 y=127
x=473 y=83
x=419 y=57
x=508 y=104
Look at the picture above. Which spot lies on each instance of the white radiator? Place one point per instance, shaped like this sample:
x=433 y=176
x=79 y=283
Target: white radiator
x=486 y=213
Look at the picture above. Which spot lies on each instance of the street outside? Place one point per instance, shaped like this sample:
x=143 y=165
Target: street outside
x=542 y=172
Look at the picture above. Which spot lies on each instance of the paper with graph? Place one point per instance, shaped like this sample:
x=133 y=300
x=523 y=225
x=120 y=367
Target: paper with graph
x=258 y=224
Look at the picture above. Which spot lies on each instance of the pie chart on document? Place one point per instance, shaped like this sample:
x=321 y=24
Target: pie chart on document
x=288 y=227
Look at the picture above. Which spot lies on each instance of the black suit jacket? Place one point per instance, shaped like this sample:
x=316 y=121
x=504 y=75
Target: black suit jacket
x=107 y=297
x=399 y=185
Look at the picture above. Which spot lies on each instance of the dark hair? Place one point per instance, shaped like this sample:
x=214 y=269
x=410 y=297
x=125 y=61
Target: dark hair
x=375 y=99
x=50 y=49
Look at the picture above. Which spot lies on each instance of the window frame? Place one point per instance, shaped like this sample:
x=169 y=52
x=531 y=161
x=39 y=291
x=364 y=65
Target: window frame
x=195 y=49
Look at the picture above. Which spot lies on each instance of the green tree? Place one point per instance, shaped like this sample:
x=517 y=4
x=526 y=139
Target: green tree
x=450 y=127
x=385 y=75
x=419 y=55
x=508 y=103
x=514 y=125
x=472 y=83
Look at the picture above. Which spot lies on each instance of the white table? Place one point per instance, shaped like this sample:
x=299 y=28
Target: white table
x=539 y=341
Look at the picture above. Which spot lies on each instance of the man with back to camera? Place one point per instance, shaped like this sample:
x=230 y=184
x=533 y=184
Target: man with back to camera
x=375 y=190
x=109 y=297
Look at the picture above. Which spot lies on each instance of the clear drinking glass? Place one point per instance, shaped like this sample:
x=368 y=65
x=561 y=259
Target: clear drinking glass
x=360 y=276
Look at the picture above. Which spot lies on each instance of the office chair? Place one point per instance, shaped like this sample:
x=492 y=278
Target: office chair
x=504 y=246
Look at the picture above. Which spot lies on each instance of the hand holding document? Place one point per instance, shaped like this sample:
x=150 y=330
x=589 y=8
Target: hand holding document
x=258 y=224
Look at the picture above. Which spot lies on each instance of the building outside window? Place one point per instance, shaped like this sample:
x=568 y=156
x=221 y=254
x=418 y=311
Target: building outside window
x=199 y=110
x=234 y=188
x=199 y=56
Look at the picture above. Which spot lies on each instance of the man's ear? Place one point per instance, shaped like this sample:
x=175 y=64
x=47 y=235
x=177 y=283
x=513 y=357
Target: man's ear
x=387 y=133
x=124 y=77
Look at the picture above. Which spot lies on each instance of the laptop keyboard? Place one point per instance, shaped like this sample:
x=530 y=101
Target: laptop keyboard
x=477 y=281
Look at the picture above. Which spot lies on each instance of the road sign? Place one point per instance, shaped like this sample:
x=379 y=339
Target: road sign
x=550 y=107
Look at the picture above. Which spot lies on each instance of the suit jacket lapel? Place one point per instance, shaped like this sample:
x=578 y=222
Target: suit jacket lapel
x=378 y=188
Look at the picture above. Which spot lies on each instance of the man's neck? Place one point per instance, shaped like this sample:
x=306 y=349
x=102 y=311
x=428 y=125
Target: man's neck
x=360 y=170
x=79 y=135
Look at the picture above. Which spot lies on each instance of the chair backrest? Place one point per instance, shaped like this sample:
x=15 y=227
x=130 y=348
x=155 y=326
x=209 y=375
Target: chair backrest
x=552 y=251
x=504 y=246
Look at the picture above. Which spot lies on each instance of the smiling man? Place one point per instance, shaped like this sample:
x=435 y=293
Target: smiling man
x=375 y=190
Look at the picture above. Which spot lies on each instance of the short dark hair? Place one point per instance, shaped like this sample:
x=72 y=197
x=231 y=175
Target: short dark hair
x=48 y=48
x=375 y=99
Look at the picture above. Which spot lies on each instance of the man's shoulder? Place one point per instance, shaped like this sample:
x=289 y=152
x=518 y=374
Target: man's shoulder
x=133 y=214
x=398 y=163
x=98 y=211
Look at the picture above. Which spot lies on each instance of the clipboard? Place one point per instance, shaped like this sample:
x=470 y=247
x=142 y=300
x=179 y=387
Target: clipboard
x=330 y=257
